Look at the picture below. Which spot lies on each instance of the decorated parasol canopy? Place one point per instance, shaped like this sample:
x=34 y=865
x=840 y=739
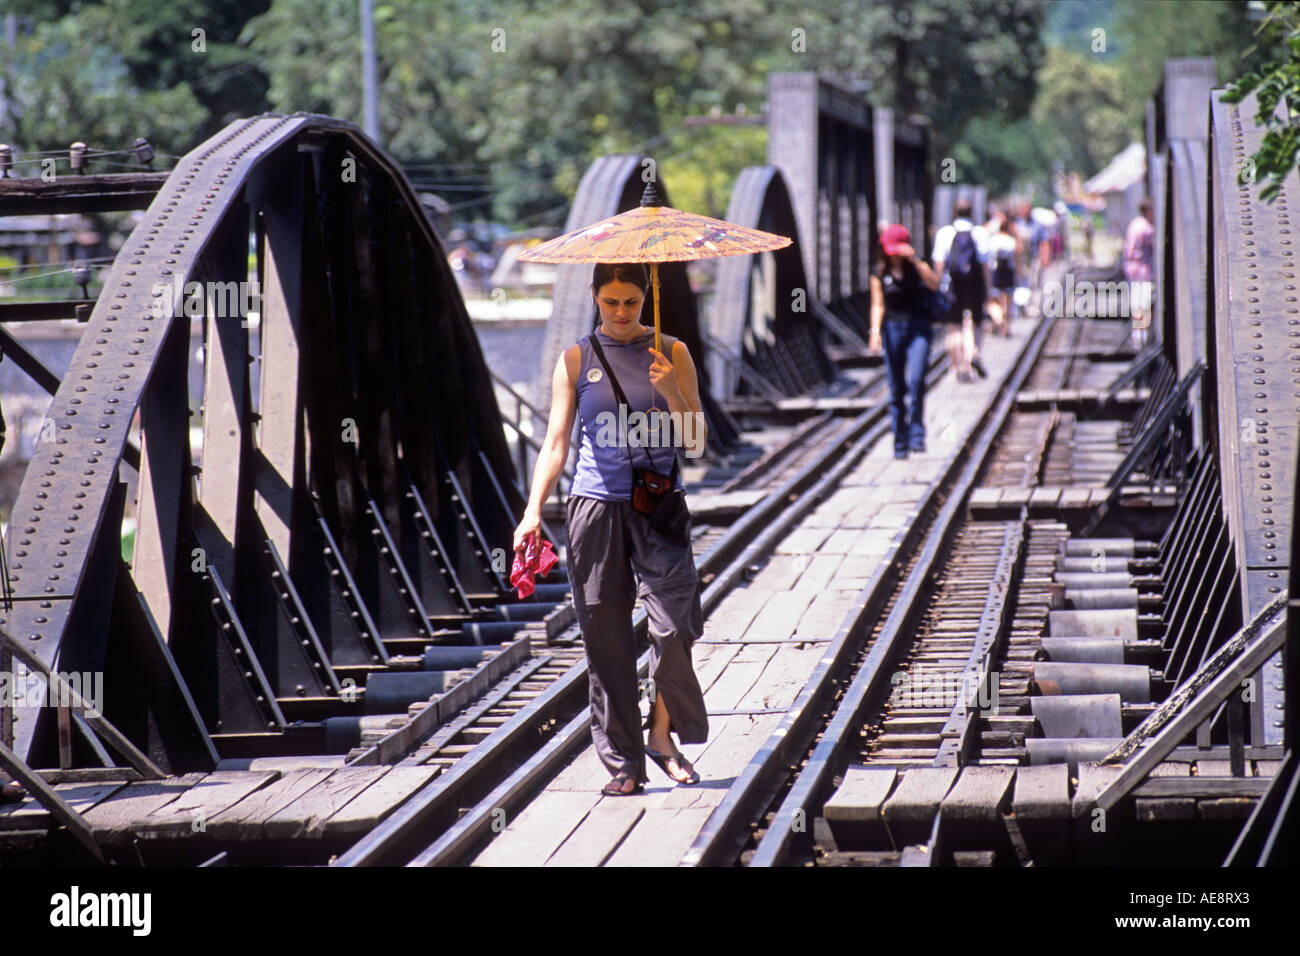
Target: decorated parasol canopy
x=653 y=233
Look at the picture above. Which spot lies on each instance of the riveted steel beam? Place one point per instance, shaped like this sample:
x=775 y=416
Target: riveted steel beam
x=361 y=393
x=1255 y=330
x=765 y=302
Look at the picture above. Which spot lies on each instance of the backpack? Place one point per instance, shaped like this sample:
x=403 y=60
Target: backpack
x=961 y=257
x=963 y=265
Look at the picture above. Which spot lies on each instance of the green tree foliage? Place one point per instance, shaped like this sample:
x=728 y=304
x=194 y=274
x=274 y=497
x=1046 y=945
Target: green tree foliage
x=107 y=72
x=1276 y=85
x=160 y=47
x=61 y=86
x=1154 y=32
x=1105 y=60
x=601 y=80
x=500 y=105
x=949 y=60
x=503 y=104
x=1006 y=157
x=1081 y=110
x=518 y=97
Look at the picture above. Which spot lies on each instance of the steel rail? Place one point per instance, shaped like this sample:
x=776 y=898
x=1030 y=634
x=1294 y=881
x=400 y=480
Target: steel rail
x=725 y=832
x=739 y=546
x=471 y=831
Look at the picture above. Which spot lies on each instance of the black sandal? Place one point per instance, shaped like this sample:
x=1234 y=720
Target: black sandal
x=615 y=786
x=682 y=762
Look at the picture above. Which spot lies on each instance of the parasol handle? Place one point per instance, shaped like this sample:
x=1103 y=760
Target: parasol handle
x=654 y=282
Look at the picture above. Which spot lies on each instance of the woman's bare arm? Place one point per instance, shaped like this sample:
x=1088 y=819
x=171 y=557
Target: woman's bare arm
x=877 y=305
x=555 y=446
x=929 y=276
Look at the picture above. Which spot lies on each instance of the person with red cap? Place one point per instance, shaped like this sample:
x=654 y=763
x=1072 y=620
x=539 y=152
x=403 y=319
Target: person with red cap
x=900 y=325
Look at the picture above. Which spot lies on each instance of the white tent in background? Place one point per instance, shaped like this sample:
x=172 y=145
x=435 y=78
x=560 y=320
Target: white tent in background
x=1127 y=168
x=1123 y=184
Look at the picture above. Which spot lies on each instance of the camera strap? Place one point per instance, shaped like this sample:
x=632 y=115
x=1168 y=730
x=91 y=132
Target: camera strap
x=619 y=394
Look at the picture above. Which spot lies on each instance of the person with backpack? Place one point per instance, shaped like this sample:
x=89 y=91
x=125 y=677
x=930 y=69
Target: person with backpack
x=961 y=253
x=900 y=325
x=1002 y=250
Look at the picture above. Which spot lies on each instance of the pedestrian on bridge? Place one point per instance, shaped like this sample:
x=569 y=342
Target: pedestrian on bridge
x=1002 y=252
x=609 y=539
x=1139 y=257
x=900 y=322
x=961 y=254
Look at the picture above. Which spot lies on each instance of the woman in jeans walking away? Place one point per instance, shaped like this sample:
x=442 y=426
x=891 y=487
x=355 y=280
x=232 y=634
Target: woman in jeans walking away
x=900 y=321
x=609 y=539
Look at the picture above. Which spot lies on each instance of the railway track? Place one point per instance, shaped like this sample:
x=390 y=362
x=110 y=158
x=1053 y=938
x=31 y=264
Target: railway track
x=790 y=480
x=426 y=821
x=772 y=798
x=946 y=675
x=509 y=694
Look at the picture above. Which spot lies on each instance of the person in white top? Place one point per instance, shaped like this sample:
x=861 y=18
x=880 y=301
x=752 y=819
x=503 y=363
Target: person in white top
x=966 y=279
x=960 y=223
x=1003 y=247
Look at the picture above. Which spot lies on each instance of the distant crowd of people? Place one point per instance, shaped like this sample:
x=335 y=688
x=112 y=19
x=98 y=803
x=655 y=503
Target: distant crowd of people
x=472 y=265
x=978 y=274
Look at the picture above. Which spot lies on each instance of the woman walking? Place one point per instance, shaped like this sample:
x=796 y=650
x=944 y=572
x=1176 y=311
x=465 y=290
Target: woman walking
x=900 y=309
x=1139 y=258
x=609 y=540
x=1002 y=247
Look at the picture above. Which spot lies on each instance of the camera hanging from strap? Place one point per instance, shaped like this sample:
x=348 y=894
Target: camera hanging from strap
x=649 y=487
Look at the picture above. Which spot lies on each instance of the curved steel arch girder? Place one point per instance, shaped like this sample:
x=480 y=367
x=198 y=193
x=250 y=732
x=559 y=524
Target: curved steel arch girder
x=764 y=310
x=362 y=326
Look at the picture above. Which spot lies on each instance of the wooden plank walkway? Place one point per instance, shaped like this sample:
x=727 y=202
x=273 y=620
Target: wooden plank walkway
x=759 y=647
x=233 y=805
x=887 y=809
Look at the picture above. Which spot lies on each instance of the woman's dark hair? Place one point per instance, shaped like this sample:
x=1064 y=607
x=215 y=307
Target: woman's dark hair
x=633 y=272
x=910 y=272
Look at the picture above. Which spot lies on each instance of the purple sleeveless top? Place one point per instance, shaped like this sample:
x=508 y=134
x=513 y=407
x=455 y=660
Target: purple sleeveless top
x=604 y=471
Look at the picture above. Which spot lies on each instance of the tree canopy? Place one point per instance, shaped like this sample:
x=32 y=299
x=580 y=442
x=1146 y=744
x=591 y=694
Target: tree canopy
x=499 y=106
x=1276 y=84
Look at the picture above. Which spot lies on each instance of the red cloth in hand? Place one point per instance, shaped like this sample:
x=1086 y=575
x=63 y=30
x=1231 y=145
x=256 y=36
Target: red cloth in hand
x=535 y=559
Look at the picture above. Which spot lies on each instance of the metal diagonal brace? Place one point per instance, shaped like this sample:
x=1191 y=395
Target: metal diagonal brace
x=1262 y=840
x=49 y=798
x=1247 y=651
x=746 y=371
x=1172 y=405
x=47 y=380
x=111 y=735
x=1144 y=360
x=838 y=326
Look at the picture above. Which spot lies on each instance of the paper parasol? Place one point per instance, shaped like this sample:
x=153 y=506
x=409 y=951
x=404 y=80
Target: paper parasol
x=654 y=233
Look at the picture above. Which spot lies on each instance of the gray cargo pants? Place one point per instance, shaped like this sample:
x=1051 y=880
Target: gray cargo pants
x=607 y=542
